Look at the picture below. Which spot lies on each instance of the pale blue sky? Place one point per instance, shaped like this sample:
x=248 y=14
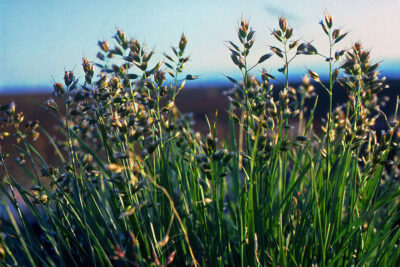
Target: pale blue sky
x=39 y=39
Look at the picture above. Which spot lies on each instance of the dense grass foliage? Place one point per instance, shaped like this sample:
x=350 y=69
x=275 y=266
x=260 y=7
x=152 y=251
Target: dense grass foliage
x=136 y=186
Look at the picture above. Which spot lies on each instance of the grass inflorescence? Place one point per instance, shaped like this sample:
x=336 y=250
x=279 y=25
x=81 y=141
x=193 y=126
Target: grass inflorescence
x=135 y=185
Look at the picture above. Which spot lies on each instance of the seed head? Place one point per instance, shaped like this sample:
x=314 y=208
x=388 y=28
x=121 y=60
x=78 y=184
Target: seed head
x=182 y=43
x=283 y=24
x=104 y=46
x=115 y=168
x=278 y=35
x=43 y=199
x=289 y=33
x=244 y=25
x=314 y=75
x=171 y=257
x=335 y=74
x=164 y=241
x=324 y=27
x=2 y=253
x=68 y=77
x=305 y=80
x=100 y=56
x=336 y=33
x=58 y=89
x=159 y=77
x=328 y=19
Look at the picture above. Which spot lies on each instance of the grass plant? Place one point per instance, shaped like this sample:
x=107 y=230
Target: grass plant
x=135 y=185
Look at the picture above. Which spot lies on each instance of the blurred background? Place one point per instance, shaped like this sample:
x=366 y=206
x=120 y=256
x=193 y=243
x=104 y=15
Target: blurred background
x=41 y=39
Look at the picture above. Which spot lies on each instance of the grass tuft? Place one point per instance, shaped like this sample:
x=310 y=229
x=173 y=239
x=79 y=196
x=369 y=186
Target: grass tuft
x=135 y=185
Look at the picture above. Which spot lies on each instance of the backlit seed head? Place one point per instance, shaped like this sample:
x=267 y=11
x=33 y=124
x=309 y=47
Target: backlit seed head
x=115 y=168
x=51 y=104
x=4 y=135
x=324 y=28
x=182 y=43
x=43 y=199
x=164 y=241
x=336 y=33
x=115 y=84
x=86 y=65
x=103 y=45
x=339 y=54
x=58 y=89
x=35 y=135
x=283 y=23
x=270 y=123
x=278 y=35
x=68 y=77
x=284 y=98
x=314 y=75
x=328 y=19
x=159 y=77
x=171 y=257
x=335 y=74
x=305 y=80
x=289 y=33
x=244 y=25
x=2 y=253
x=272 y=106
x=293 y=44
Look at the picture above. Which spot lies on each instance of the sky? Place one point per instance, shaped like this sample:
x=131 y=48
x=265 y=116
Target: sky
x=41 y=39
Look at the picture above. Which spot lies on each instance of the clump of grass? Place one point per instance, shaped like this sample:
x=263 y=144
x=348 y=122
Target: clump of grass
x=135 y=185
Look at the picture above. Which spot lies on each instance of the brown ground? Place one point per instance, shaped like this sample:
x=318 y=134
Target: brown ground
x=200 y=102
